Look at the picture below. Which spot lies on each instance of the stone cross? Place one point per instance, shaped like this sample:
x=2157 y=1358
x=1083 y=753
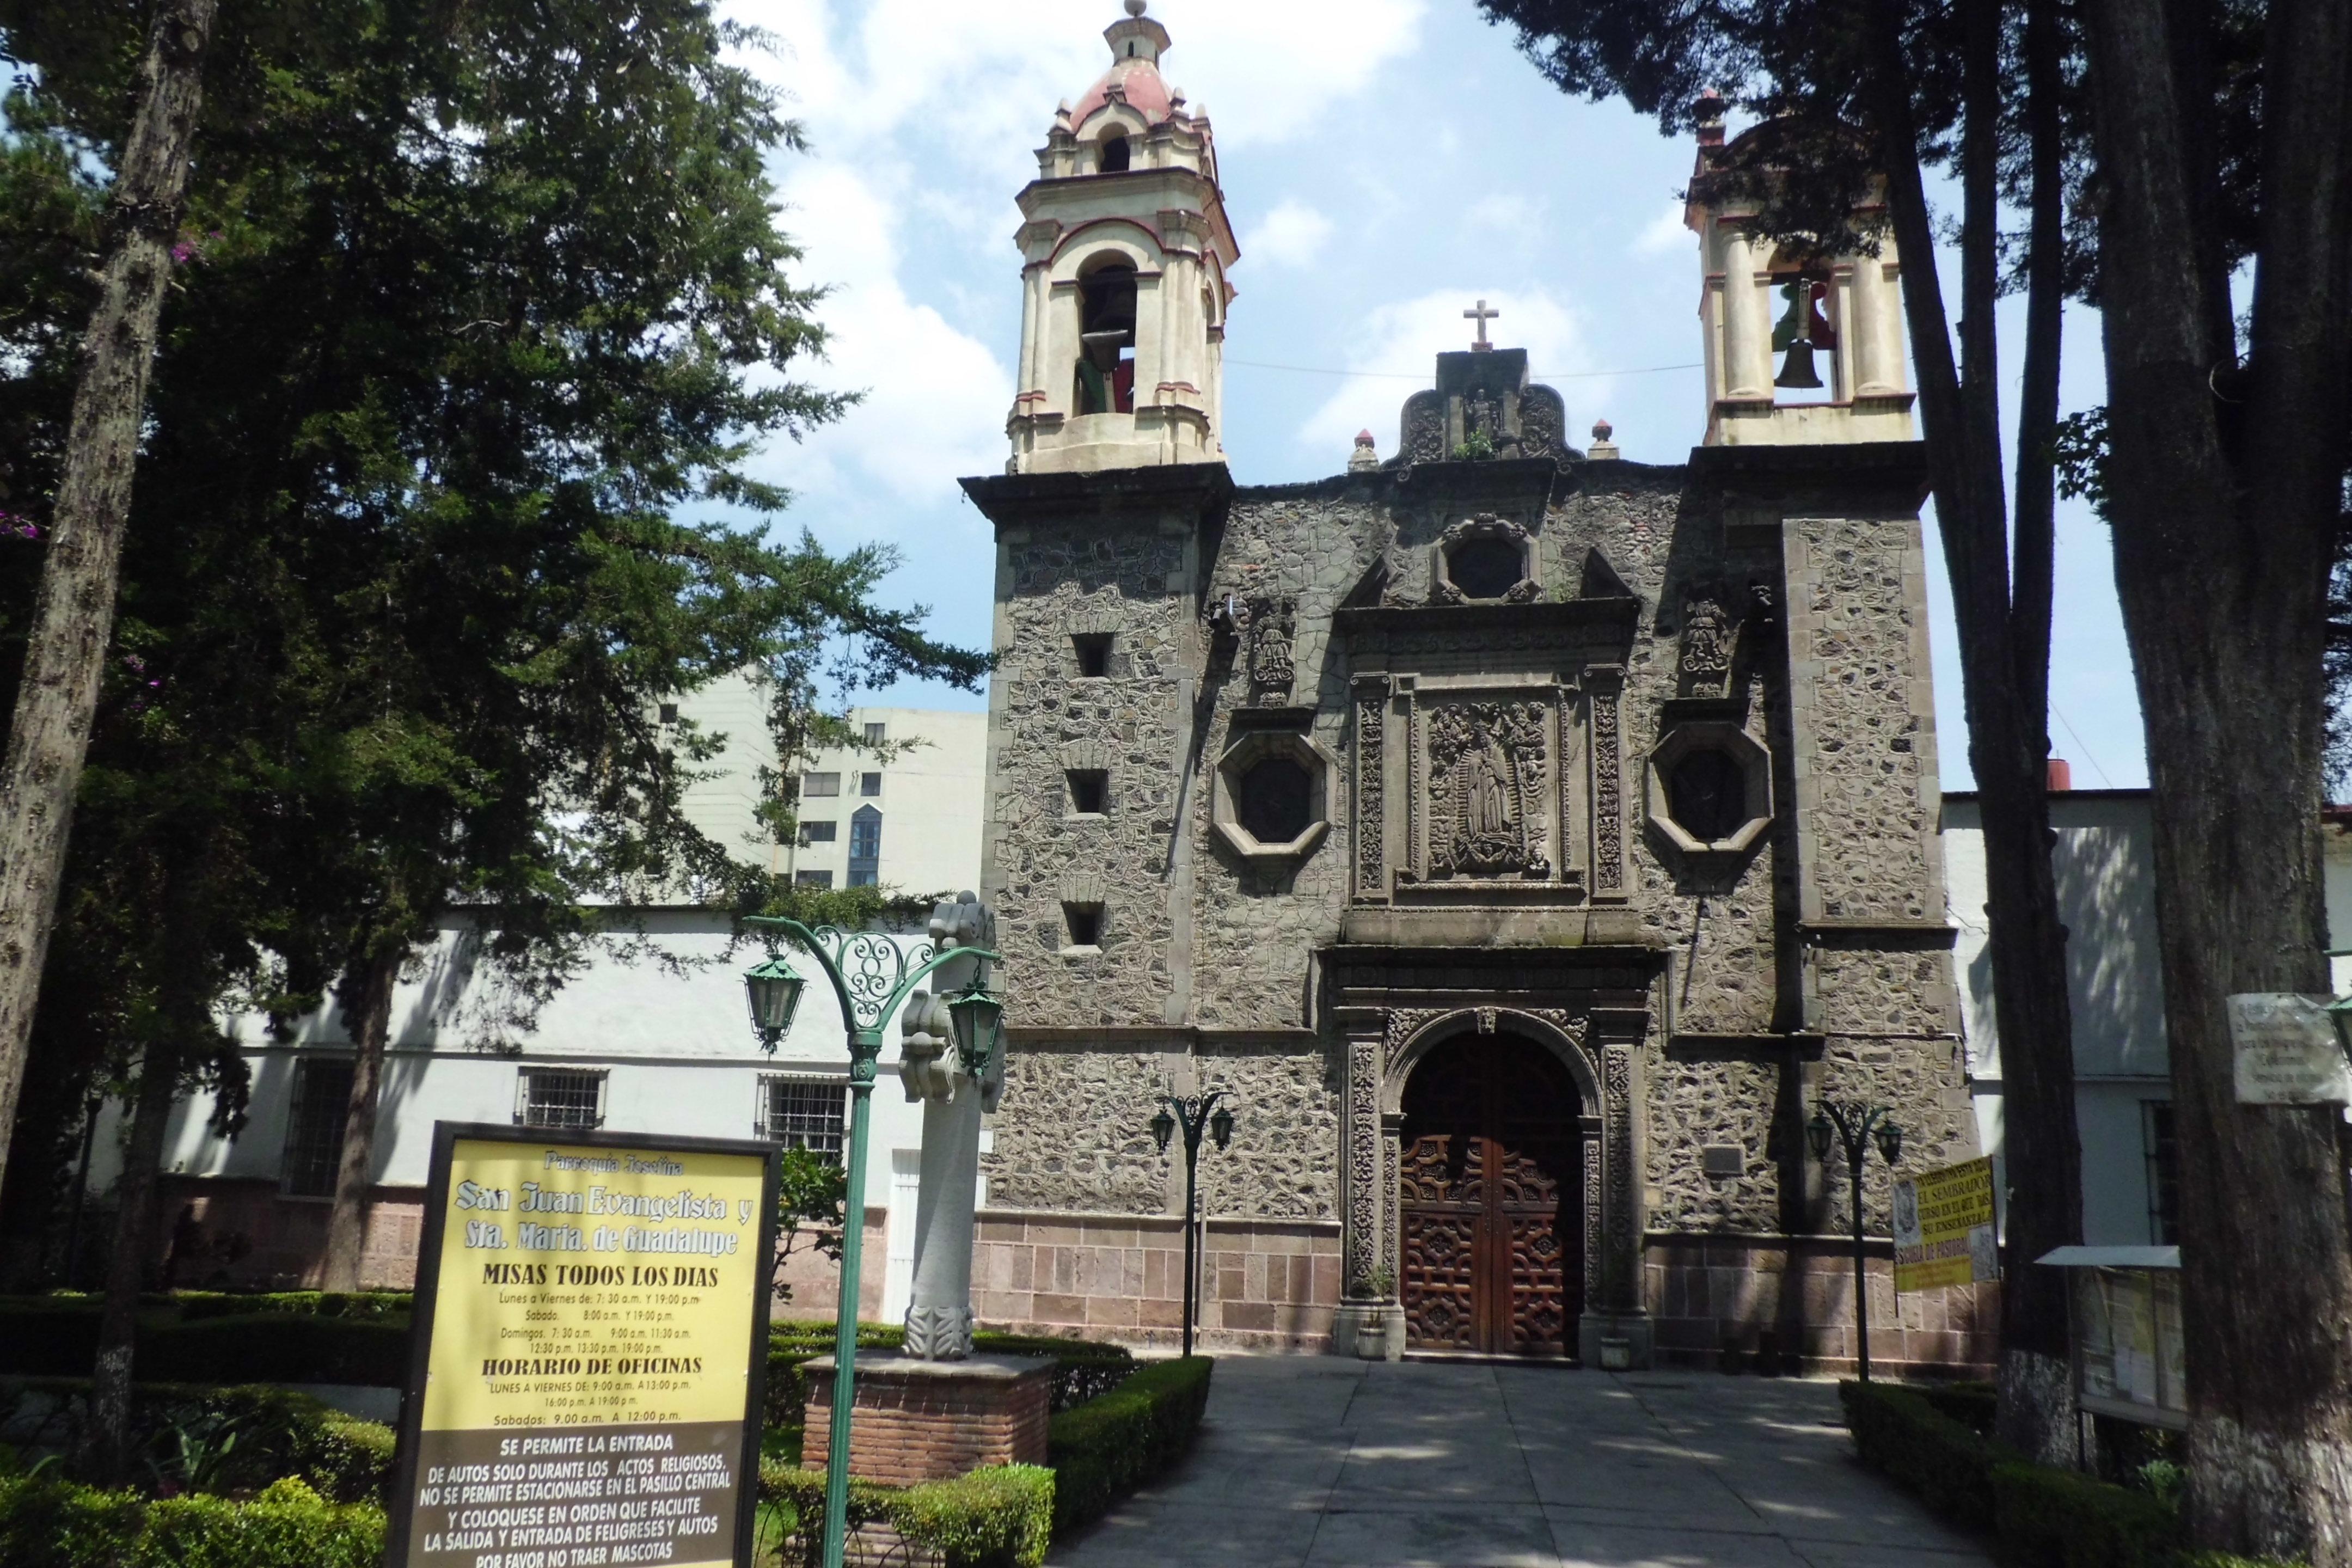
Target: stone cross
x=1482 y=315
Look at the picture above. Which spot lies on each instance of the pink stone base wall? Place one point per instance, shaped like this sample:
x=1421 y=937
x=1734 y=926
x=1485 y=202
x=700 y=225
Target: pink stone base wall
x=1266 y=1285
x=1703 y=1291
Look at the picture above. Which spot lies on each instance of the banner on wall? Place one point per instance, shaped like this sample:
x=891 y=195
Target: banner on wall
x=1944 y=1232
x=591 y=1329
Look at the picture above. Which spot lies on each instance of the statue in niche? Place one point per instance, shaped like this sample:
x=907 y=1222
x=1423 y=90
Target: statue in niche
x=1707 y=636
x=1273 y=628
x=1486 y=790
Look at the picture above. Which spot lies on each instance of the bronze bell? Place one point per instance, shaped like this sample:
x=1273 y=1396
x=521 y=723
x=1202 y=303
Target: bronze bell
x=1797 y=369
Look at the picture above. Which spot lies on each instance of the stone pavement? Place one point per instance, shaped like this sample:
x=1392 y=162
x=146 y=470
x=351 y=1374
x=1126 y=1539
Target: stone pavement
x=1318 y=1460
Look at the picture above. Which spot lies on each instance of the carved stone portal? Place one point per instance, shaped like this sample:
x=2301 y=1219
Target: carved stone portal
x=1487 y=814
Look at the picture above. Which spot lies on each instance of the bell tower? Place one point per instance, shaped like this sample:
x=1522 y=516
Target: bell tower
x=1799 y=348
x=1125 y=250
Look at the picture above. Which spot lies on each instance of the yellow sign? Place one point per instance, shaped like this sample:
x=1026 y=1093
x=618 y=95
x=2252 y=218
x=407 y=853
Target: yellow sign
x=591 y=1308
x=1944 y=1228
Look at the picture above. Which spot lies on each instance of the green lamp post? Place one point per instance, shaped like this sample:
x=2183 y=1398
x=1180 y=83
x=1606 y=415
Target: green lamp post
x=1854 y=1126
x=871 y=974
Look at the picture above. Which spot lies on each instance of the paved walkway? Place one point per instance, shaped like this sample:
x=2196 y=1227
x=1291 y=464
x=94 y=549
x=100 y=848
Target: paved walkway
x=1366 y=1465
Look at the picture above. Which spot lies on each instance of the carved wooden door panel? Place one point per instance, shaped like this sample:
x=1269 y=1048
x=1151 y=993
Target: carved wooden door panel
x=1489 y=1209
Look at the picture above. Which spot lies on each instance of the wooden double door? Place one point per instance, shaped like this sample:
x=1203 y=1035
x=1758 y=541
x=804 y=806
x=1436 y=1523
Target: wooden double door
x=1490 y=1201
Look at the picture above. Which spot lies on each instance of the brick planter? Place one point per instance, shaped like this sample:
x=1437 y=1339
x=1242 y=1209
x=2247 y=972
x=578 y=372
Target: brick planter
x=933 y=1420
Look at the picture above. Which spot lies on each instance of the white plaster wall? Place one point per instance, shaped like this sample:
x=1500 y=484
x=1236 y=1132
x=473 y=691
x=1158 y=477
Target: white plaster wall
x=2335 y=837
x=667 y=1021
x=725 y=804
x=2106 y=897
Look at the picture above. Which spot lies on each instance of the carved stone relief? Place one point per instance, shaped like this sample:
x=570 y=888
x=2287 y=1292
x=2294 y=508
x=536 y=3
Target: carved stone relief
x=1487 y=796
x=1371 y=792
x=1707 y=635
x=1273 y=627
x=1364 y=1185
x=1608 y=791
x=1617 y=1116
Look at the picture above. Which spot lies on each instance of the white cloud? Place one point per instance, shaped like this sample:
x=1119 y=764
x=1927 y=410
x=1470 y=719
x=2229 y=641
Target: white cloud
x=1292 y=235
x=1665 y=233
x=1396 y=347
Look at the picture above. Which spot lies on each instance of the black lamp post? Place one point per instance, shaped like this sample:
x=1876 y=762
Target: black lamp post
x=1854 y=1126
x=1195 y=1115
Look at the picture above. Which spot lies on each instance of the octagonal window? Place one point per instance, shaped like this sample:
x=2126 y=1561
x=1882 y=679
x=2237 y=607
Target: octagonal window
x=1707 y=794
x=1276 y=799
x=1485 y=568
x=1272 y=798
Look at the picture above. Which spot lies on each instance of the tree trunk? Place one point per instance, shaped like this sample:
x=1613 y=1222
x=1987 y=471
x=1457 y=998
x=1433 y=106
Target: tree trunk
x=2224 y=493
x=2004 y=636
x=106 y=1439
x=370 y=1021
x=73 y=617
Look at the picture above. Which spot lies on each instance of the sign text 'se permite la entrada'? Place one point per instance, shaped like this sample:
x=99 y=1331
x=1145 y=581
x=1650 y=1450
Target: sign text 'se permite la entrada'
x=592 y=1318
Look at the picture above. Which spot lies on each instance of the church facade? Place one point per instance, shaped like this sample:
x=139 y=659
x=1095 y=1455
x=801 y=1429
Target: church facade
x=1526 y=841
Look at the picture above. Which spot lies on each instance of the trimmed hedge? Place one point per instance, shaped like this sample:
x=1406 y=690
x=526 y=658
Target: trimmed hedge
x=2043 y=1517
x=53 y=1524
x=1000 y=1517
x=364 y=1306
x=61 y=1341
x=1105 y=1448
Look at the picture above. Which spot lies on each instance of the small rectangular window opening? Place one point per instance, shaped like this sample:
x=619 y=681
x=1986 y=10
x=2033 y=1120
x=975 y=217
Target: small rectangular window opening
x=876 y=734
x=314 y=1133
x=2163 y=1155
x=1089 y=791
x=818 y=832
x=816 y=786
x=560 y=1096
x=813 y=879
x=669 y=712
x=1094 y=654
x=869 y=784
x=1085 y=922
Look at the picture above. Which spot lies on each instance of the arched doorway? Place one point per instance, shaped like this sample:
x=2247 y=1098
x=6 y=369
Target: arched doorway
x=1490 y=1201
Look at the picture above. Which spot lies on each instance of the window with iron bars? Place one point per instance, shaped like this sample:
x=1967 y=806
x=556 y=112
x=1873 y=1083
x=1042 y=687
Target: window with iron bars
x=560 y=1096
x=803 y=1113
x=314 y=1132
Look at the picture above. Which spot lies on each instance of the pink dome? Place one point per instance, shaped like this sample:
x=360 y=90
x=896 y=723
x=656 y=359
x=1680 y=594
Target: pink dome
x=1144 y=91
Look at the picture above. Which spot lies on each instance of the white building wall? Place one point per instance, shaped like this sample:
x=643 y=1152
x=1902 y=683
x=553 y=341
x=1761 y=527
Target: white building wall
x=931 y=802
x=2106 y=897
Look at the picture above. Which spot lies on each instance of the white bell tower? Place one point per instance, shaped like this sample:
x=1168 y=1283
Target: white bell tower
x=1124 y=251
x=1798 y=348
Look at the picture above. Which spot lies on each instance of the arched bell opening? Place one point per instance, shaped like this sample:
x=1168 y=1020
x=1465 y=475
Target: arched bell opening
x=1804 y=335
x=1105 y=368
x=1491 y=1201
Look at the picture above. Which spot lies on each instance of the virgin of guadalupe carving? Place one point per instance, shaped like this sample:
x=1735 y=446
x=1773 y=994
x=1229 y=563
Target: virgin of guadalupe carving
x=1486 y=763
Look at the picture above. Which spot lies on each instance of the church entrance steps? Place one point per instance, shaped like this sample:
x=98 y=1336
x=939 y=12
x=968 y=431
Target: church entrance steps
x=1377 y=1465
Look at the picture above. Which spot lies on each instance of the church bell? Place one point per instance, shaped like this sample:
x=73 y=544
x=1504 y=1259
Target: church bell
x=1795 y=332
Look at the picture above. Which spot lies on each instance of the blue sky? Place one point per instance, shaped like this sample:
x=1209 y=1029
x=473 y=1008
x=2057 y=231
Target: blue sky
x=1386 y=163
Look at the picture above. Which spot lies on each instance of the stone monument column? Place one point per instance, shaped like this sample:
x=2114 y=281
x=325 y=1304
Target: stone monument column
x=955 y=1094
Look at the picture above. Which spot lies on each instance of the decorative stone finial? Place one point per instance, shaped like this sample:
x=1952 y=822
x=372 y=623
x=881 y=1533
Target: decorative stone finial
x=1138 y=7
x=1603 y=447
x=1365 y=455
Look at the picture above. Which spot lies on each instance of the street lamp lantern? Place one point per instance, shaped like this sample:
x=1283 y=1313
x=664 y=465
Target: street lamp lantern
x=978 y=1018
x=1856 y=1127
x=1197 y=1114
x=773 y=990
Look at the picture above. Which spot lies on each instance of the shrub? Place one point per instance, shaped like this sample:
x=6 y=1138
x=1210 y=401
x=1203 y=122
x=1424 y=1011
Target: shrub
x=279 y=1433
x=1001 y=1517
x=1936 y=1459
x=277 y=1347
x=288 y=1526
x=2057 y=1518
x=1105 y=1448
x=1973 y=1404
x=45 y=1523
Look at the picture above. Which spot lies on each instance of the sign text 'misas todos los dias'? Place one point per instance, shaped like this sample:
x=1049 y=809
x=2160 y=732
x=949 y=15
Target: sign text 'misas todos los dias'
x=590 y=1316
